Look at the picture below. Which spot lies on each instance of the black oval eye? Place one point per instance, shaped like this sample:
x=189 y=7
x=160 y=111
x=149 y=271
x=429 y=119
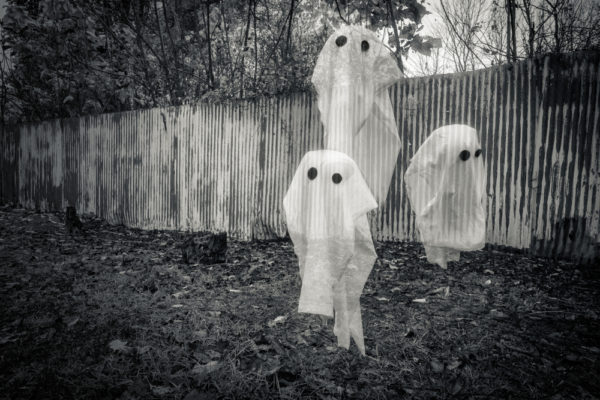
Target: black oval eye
x=336 y=178
x=464 y=155
x=312 y=173
x=341 y=40
x=364 y=46
x=478 y=153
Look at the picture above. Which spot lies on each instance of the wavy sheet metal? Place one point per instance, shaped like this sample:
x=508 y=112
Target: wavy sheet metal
x=226 y=167
x=538 y=124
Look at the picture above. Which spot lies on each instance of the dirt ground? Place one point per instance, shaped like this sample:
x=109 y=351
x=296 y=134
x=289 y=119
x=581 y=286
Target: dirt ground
x=115 y=313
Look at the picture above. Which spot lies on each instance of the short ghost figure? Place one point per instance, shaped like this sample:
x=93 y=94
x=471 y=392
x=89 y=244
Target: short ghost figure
x=446 y=188
x=351 y=77
x=325 y=208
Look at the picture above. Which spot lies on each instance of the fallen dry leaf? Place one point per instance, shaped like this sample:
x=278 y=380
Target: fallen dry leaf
x=436 y=365
x=119 y=346
x=279 y=320
x=205 y=369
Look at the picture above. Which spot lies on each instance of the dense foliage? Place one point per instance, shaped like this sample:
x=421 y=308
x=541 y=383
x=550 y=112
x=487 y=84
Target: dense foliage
x=77 y=57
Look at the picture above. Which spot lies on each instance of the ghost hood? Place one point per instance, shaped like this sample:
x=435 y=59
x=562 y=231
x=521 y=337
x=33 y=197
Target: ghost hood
x=351 y=77
x=354 y=55
x=446 y=188
x=326 y=195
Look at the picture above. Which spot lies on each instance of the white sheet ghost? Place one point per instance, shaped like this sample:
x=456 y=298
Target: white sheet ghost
x=325 y=208
x=446 y=187
x=351 y=77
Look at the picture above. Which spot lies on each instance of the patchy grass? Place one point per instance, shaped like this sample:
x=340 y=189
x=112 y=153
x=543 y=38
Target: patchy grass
x=116 y=314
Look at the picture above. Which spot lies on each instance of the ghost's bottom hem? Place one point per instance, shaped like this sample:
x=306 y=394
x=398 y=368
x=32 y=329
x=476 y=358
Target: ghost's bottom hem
x=316 y=308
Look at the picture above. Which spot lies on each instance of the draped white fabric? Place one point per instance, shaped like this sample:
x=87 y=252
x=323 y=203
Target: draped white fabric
x=446 y=182
x=325 y=209
x=351 y=77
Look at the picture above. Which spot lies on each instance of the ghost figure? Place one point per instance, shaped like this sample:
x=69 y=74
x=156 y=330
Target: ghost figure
x=325 y=208
x=446 y=188
x=351 y=77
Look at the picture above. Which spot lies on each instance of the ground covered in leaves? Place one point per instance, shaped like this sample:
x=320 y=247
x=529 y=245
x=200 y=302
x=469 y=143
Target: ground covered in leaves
x=115 y=313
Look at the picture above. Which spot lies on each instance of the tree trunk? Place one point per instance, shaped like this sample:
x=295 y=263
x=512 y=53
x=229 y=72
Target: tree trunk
x=176 y=80
x=227 y=41
x=164 y=56
x=244 y=48
x=210 y=75
x=255 y=44
x=511 y=34
x=289 y=32
x=392 y=19
x=527 y=12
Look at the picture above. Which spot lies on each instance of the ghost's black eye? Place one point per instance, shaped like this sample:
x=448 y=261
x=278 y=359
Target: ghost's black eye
x=464 y=155
x=312 y=173
x=364 y=46
x=478 y=153
x=341 y=40
x=336 y=178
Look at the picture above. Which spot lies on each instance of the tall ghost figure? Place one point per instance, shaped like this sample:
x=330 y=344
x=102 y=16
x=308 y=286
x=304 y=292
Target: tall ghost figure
x=446 y=182
x=351 y=77
x=325 y=208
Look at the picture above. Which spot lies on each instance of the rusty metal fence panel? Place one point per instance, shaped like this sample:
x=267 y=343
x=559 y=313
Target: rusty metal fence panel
x=226 y=167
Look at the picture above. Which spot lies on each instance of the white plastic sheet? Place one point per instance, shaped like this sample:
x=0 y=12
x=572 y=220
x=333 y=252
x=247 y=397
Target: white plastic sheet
x=446 y=182
x=325 y=209
x=351 y=77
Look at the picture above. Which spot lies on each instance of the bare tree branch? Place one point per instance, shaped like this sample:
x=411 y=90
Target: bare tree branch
x=468 y=46
x=337 y=7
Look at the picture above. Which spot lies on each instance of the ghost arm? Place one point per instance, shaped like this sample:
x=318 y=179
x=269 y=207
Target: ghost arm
x=292 y=202
x=344 y=111
x=311 y=250
x=376 y=147
x=348 y=317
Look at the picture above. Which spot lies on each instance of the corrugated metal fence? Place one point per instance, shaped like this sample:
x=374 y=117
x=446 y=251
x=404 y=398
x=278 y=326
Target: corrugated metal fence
x=227 y=166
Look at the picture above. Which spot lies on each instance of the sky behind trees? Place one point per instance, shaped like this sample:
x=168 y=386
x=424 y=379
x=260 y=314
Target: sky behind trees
x=480 y=33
